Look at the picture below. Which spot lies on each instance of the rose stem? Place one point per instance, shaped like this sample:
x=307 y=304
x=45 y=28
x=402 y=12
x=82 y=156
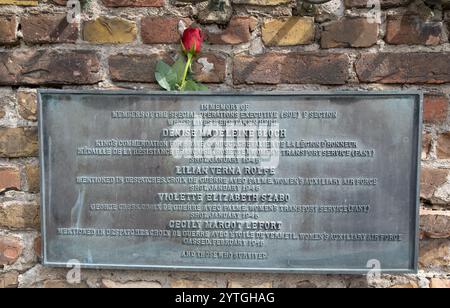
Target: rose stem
x=186 y=69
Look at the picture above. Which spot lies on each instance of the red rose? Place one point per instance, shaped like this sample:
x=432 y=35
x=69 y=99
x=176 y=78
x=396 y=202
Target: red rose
x=192 y=40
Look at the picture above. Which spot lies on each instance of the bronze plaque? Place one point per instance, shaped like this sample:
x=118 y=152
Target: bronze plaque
x=261 y=182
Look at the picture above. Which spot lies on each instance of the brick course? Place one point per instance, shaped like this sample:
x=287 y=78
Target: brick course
x=263 y=47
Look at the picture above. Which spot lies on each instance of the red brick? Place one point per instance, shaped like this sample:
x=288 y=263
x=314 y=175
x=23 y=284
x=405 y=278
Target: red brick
x=291 y=68
x=209 y=68
x=238 y=31
x=45 y=67
x=10 y=249
x=8 y=27
x=413 y=30
x=161 y=30
x=40 y=29
x=349 y=32
x=134 y=3
x=9 y=178
x=18 y=142
x=141 y=68
x=443 y=146
x=435 y=108
x=400 y=68
x=134 y=68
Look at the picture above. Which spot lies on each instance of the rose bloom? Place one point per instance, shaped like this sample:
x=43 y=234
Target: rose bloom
x=192 y=40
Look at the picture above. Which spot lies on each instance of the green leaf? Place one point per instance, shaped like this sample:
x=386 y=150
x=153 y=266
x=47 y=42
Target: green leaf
x=191 y=85
x=199 y=86
x=202 y=87
x=178 y=67
x=165 y=76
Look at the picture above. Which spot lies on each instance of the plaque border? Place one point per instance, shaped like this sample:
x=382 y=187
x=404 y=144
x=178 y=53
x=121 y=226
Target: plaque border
x=418 y=101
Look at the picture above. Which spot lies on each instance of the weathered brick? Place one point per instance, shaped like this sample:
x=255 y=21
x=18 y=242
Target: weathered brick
x=438 y=283
x=134 y=3
x=20 y=2
x=185 y=283
x=104 y=30
x=110 y=284
x=400 y=68
x=434 y=254
x=19 y=215
x=413 y=30
x=10 y=249
x=288 y=31
x=161 y=30
x=9 y=280
x=435 y=224
x=447 y=23
x=262 y=2
x=368 y=4
x=84 y=3
x=40 y=29
x=291 y=68
x=238 y=31
x=62 y=284
x=426 y=145
x=134 y=68
x=45 y=67
x=9 y=178
x=237 y=284
x=448 y=28
x=59 y=2
x=431 y=179
x=443 y=146
x=349 y=32
x=18 y=142
x=208 y=68
x=32 y=177
x=8 y=27
x=27 y=105
x=37 y=246
x=409 y=285
x=435 y=108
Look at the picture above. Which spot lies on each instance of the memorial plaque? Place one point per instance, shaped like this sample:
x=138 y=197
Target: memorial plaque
x=261 y=182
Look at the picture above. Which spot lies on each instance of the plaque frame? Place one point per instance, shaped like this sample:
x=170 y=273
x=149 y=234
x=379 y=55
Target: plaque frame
x=417 y=125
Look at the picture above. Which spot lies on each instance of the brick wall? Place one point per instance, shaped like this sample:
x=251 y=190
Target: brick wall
x=264 y=47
